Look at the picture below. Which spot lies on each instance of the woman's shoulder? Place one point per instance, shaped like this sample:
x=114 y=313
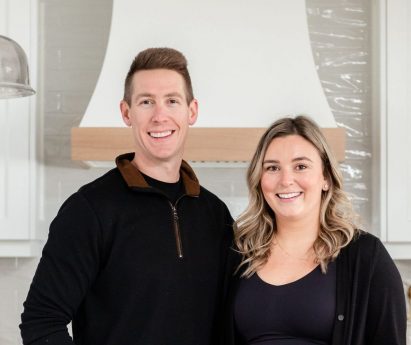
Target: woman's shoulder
x=363 y=239
x=365 y=244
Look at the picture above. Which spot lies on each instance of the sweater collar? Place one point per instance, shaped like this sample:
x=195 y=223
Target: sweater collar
x=134 y=178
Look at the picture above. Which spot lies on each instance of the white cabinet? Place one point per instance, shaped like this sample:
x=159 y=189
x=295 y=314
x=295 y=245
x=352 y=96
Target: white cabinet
x=18 y=142
x=399 y=120
x=395 y=126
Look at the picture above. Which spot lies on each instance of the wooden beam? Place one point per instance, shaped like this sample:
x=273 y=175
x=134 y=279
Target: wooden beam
x=203 y=144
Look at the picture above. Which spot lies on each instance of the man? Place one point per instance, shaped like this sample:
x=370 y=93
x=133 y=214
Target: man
x=139 y=255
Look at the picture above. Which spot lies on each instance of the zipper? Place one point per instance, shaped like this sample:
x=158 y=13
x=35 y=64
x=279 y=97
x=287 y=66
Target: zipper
x=177 y=233
x=176 y=225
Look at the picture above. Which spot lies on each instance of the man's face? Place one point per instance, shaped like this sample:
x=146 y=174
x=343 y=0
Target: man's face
x=159 y=115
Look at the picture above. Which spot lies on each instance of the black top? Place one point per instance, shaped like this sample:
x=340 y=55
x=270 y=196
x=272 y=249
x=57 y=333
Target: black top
x=370 y=303
x=172 y=190
x=298 y=313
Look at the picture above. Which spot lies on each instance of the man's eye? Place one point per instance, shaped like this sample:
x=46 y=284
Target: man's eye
x=173 y=101
x=146 y=102
x=301 y=167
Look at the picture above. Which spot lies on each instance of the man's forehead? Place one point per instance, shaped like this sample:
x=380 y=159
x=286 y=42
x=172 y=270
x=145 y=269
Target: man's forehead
x=158 y=81
x=158 y=73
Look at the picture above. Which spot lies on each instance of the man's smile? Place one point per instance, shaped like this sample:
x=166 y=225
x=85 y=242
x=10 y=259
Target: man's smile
x=162 y=134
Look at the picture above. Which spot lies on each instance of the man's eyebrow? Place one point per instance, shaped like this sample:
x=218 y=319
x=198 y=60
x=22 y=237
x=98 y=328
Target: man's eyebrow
x=144 y=94
x=147 y=94
x=174 y=94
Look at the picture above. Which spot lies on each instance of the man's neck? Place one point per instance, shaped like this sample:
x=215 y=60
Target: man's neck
x=162 y=171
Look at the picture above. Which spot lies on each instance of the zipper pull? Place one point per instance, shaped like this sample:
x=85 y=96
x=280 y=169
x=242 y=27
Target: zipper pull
x=177 y=232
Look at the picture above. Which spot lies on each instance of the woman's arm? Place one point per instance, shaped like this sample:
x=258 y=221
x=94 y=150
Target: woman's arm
x=386 y=321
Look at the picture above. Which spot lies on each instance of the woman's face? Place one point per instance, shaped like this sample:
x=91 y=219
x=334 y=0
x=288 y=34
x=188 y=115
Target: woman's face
x=292 y=180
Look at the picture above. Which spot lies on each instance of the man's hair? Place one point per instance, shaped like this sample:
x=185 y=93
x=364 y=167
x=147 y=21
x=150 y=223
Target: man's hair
x=158 y=58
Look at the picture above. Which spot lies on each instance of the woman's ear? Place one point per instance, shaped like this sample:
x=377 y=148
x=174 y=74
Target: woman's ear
x=326 y=184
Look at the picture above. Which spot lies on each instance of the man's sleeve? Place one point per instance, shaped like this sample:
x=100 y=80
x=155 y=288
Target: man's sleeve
x=68 y=266
x=232 y=260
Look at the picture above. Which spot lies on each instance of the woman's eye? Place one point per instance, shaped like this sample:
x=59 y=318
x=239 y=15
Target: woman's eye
x=272 y=168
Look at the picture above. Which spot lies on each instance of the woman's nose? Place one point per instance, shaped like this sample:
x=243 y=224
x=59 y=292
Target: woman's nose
x=287 y=177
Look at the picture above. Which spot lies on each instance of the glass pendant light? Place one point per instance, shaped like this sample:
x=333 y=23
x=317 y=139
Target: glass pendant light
x=14 y=70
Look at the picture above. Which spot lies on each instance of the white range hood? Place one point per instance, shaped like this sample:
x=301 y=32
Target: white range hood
x=251 y=62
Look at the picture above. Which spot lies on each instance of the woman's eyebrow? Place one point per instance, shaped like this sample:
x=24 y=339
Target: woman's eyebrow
x=296 y=159
x=303 y=158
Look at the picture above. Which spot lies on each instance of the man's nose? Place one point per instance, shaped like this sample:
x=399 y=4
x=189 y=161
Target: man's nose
x=159 y=112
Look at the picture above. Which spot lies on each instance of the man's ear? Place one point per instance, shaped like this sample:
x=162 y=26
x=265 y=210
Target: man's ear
x=193 y=108
x=125 y=112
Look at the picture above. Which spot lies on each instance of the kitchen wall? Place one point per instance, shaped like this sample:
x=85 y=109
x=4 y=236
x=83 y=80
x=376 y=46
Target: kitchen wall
x=73 y=36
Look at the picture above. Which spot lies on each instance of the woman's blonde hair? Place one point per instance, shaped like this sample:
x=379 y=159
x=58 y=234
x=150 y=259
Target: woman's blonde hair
x=256 y=226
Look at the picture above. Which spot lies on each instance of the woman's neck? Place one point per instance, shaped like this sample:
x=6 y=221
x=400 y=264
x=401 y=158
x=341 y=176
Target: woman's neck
x=297 y=236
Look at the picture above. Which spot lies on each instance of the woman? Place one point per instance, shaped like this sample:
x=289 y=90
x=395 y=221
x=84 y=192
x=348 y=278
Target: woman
x=308 y=275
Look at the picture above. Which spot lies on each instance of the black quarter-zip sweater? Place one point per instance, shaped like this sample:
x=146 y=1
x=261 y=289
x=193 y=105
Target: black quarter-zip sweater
x=129 y=267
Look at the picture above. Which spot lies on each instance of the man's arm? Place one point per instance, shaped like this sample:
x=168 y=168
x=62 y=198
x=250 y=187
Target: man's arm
x=69 y=264
x=232 y=260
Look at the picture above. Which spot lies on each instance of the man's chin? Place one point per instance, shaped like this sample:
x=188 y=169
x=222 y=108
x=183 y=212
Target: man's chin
x=167 y=156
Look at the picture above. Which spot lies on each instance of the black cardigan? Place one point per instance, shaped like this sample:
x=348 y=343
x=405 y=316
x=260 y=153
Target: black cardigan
x=370 y=306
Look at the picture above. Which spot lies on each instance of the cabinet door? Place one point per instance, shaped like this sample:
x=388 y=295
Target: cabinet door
x=398 y=121
x=17 y=130
x=14 y=169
